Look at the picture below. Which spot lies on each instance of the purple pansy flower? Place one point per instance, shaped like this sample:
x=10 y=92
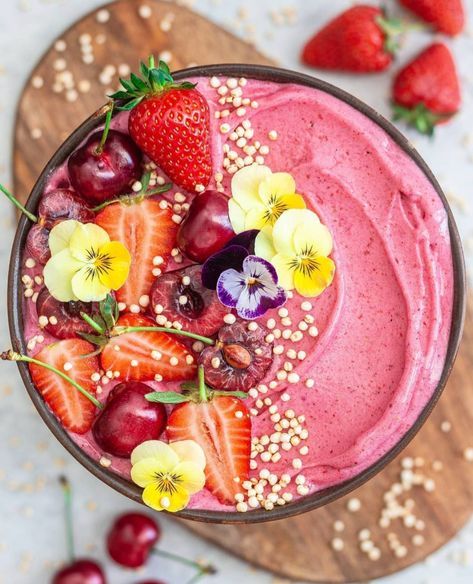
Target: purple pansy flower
x=230 y=256
x=251 y=291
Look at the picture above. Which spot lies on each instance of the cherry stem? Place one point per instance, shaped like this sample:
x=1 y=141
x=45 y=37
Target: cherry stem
x=201 y=569
x=17 y=203
x=121 y=330
x=91 y=322
x=130 y=199
x=67 y=491
x=106 y=129
x=202 y=387
x=12 y=356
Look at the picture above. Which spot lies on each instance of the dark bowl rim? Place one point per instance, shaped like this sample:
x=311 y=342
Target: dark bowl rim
x=304 y=504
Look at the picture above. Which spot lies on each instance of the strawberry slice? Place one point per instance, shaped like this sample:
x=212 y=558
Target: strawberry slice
x=222 y=428
x=75 y=412
x=141 y=356
x=148 y=232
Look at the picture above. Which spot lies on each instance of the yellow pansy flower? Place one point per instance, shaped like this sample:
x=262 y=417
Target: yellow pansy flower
x=298 y=246
x=260 y=197
x=168 y=473
x=84 y=265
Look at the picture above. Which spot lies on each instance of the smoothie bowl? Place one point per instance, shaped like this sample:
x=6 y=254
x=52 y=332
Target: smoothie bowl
x=248 y=293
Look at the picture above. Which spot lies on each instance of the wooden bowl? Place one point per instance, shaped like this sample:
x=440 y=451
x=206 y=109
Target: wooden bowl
x=126 y=487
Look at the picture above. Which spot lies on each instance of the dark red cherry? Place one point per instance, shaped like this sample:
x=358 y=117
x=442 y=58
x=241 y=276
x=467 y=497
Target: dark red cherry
x=206 y=227
x=201 y=312
x=63 y=204
x=64 y=318
x=55 y=206
x=81 y=571
x=128 y=419
x=36 y=245
x=102 y=175
x=131 y=539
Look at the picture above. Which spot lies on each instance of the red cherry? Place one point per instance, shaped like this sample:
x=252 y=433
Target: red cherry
x=102 y=175
x=206 y=227
x=128 y=419
x=131 y=539
x=82 y=571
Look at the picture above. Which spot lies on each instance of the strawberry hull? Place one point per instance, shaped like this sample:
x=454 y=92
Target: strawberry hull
x=394 y=290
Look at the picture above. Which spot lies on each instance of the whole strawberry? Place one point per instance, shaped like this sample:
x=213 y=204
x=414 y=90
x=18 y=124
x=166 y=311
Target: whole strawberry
x=361 y=39
x=427 y=92
x=447 y=16
x=170 y=122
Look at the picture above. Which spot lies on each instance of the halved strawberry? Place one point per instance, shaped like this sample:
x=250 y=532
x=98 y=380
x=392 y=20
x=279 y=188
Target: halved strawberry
x=74 y=410
x=222 y=427
x=148 y=232
x=140 y=356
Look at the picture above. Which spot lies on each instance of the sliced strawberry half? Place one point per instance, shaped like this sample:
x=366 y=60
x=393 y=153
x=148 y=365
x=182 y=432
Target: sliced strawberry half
x=141 y=356
x=149 y=233
x=222 y=428
x=75 y=412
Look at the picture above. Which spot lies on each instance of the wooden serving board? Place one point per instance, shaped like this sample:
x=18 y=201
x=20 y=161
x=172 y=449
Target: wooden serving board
x=300 y=547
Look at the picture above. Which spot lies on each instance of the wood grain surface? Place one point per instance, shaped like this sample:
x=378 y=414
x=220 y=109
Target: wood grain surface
x=300 y=547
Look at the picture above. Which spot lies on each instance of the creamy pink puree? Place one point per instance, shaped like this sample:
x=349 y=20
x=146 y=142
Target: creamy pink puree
x=384 y=324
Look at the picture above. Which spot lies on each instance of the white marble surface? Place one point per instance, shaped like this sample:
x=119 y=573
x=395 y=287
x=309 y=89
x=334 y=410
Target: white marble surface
x=31 y=527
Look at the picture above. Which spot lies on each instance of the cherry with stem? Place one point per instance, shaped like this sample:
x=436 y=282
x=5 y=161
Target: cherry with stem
x=78 y=570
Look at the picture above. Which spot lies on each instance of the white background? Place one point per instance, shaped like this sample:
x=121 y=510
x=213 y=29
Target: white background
x=31 y=526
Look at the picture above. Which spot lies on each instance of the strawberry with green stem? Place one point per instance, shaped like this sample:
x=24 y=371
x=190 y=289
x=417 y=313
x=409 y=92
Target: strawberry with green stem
x=71 y=396
x=170 y=122
x=426 y=92
x=220 y=423
x=361 y=39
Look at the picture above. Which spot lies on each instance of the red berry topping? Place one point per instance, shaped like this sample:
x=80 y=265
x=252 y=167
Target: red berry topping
x=180 y=296
x=170 y=122
x=239 y=359
x=75 y=412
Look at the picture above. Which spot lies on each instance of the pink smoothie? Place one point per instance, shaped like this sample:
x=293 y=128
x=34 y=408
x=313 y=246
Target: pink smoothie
x=364 y=358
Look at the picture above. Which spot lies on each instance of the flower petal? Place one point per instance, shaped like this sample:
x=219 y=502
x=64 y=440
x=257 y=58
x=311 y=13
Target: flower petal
x=249 y=305
x=189 y=451
x=229 y=287
x=228 y=257
x=282 y=264
x=60 y=235
x=260 y=269
x=58 y=274
x=87 y=238
x=236 y=216
x=257 y=217
x=192 y=476
x=155 y=449
x=264 y=247
x=245 y=185
x=144 y=472
x=87 y=286
x=162 y=500
x=315 y=235
x=287 y=225
x=314 y=283
x=120 y=259
x=275 y=186
x=246 y=239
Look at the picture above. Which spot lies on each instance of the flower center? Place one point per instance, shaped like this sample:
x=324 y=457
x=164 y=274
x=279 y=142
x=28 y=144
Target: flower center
x=167 y=482
x=274 y=209
x=305 y=261
x=97 y=263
